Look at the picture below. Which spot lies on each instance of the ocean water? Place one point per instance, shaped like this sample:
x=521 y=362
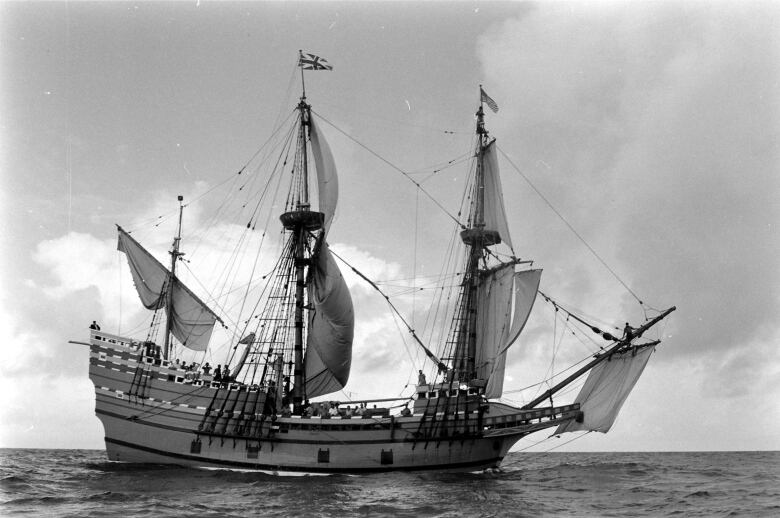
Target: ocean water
x=82 y=483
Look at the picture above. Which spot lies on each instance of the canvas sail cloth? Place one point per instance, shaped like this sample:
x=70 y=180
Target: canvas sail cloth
x=331 y=328
x=327 y=180
x=497 y=325
x=493 y=210
x=191 y=320
x=606 y=389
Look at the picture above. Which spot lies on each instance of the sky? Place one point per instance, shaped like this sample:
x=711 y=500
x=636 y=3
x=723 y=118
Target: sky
x=650 y=127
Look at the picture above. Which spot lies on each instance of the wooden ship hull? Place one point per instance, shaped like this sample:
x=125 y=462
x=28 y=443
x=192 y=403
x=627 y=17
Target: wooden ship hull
x=152 y=413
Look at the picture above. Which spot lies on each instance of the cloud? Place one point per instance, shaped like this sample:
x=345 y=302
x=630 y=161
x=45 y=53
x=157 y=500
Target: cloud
x=660 y=126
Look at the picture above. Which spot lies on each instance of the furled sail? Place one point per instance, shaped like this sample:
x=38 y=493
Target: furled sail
x=331 y=327
x=494 y=213
x=497 y=327
x=606 y=389
x=191 y=319
x=327 y=180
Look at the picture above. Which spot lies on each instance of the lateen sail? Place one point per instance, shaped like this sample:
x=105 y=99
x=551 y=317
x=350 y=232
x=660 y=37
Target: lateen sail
x=191 y=319
x=494 y=213
x=327 y=180
x=331 y=327
x=606 y=389
x=497 y=328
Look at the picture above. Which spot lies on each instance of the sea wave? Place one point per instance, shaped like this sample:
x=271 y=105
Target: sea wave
x=83 y=483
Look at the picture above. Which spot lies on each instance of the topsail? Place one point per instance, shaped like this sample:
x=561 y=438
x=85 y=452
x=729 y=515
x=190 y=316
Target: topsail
x=327 y=181
x=494 y=213
x=192 y=321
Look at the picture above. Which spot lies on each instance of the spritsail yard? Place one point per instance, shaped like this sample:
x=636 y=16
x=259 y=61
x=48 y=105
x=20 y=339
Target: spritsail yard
x=258 y=411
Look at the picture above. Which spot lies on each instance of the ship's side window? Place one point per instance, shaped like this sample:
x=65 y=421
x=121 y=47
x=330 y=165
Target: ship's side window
x=432 y=395
x=421 y=395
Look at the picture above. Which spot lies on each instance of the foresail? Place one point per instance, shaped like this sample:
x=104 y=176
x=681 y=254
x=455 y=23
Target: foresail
x=327 y=179
x=606 y=389
x=526 y=284
x=191 y=319
x=494 y=213
x=494 y=317
x=331 y=327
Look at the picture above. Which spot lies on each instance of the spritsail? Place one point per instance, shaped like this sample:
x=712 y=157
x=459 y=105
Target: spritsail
x=192 y=321
x=606 y=389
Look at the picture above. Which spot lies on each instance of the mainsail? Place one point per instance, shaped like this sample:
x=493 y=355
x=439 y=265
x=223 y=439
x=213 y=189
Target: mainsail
x=497 y=326
x=331 y=326
x=192 y=321
x=606 y=389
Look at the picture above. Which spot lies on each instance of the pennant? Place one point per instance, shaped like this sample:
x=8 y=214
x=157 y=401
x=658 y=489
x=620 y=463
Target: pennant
x=487 y=100
x=312 y=62
x=248 y=339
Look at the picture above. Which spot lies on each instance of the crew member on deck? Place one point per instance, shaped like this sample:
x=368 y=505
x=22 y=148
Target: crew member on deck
x=421 y=378
x=94 y=326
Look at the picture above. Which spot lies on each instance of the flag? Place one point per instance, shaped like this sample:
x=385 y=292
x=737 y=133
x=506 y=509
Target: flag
x=312 y=62
x=248 y=339
x=487 y=100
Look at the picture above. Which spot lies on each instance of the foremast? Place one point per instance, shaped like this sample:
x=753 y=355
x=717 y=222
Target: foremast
x=477 y=239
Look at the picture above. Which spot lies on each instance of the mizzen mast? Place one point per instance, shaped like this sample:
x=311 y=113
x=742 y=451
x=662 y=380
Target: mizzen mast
x=175 y=255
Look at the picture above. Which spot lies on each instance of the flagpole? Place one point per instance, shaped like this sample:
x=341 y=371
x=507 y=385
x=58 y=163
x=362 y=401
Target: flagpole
x=300 y=64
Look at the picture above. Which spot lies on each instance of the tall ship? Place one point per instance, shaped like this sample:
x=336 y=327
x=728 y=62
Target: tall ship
x=276 y=399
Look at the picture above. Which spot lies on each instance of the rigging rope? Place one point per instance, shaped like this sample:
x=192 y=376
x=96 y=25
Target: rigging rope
x=566 y=222
x=442 y=367
x=604 y=334
x=406 y=175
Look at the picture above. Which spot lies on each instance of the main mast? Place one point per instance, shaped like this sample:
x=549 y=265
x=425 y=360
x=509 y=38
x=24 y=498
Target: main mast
x=300 y=221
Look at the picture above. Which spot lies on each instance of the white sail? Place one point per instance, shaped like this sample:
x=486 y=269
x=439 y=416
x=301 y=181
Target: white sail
x=494 y=317
x=606 y=389
x=526 y=284
x=497 y=328
x=327 y=180
x=191 y=319
x=331 y=327
x=494 y=213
